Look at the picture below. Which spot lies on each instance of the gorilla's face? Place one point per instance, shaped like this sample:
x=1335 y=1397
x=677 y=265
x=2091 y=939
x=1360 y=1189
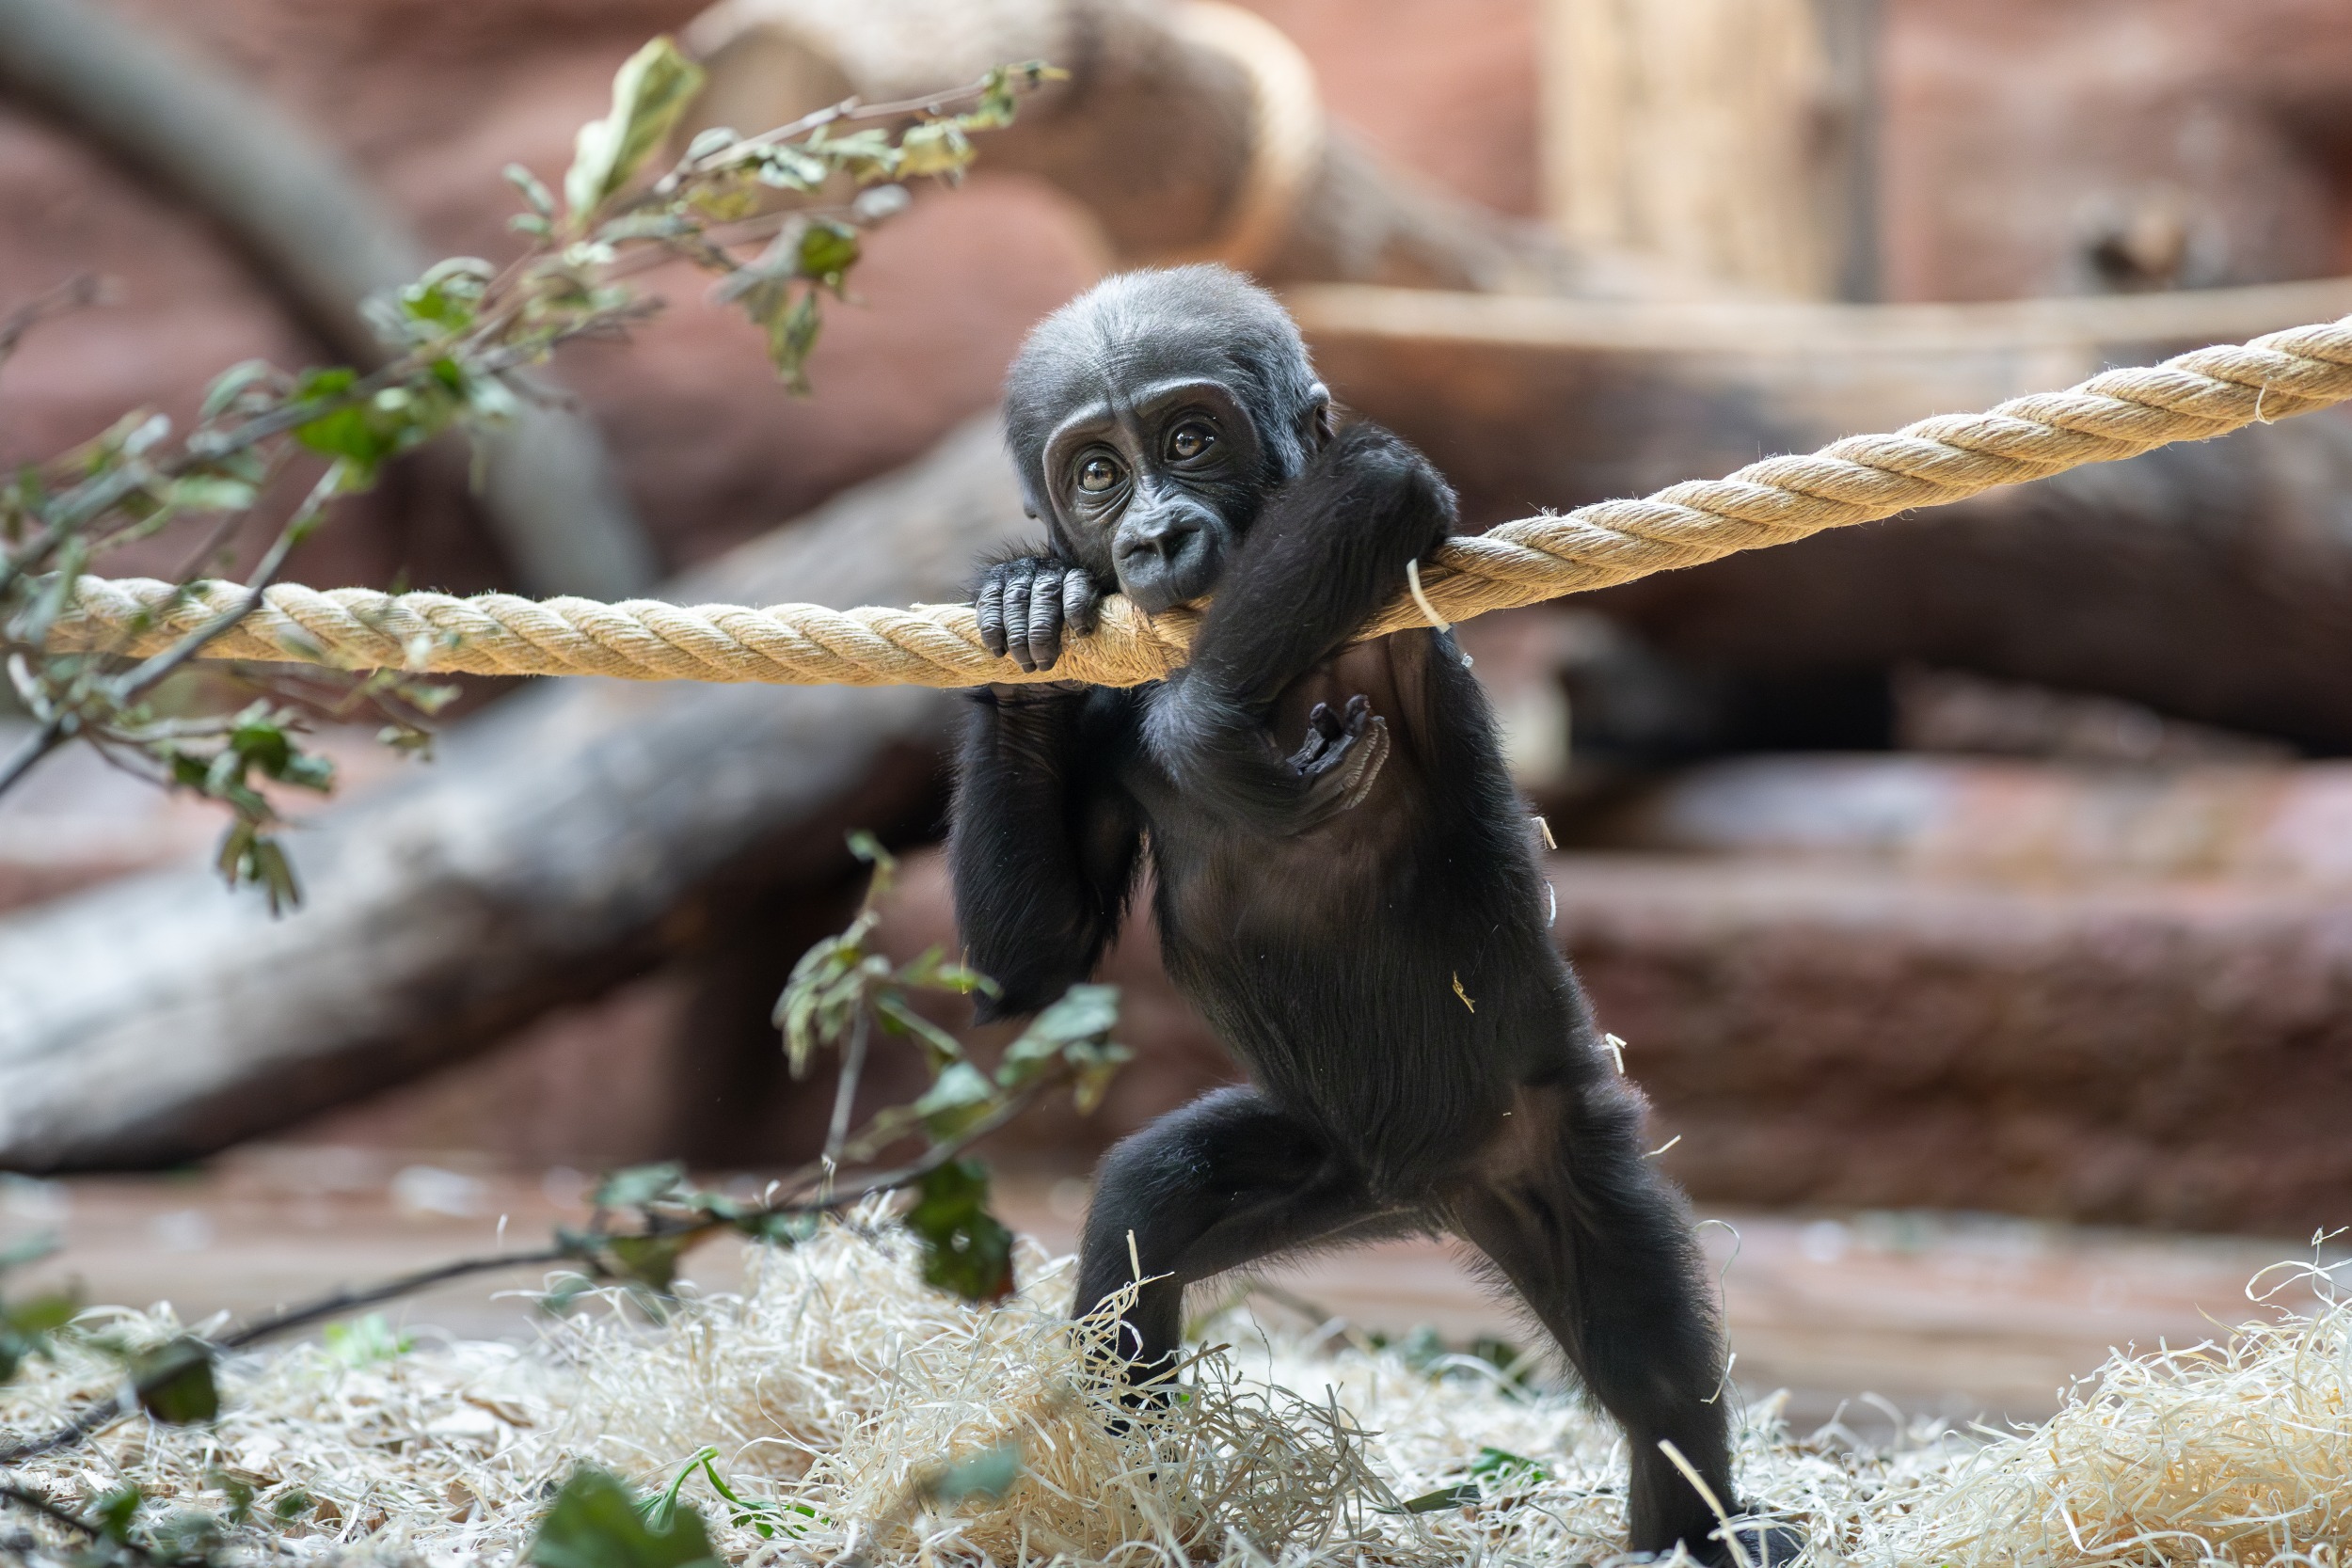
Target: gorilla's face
x=1150 y=417
x=1154 y=485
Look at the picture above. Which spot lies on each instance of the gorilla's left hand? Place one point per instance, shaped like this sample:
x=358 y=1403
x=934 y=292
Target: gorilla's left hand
x=1024 y=604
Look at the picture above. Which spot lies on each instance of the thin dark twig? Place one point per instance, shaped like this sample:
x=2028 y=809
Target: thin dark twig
x=408 y=1284
x=139 y=679
x=46 y=739
x=32 y=1501
x=340 y=1302
x=215 y=541
x=848 y=108
x=76 y=292
x=101 y=1415
x=890 y=1180
x=108 y=1410
x=26 y=1498
x=845 y=1092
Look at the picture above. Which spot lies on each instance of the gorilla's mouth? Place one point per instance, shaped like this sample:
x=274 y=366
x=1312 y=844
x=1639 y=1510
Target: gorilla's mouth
x=1175 y=568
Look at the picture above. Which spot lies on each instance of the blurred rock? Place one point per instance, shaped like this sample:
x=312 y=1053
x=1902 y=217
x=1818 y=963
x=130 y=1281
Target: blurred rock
x=2140 y=1040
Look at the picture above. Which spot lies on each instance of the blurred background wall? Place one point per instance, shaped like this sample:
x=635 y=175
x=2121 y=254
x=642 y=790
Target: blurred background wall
x=2103 y=976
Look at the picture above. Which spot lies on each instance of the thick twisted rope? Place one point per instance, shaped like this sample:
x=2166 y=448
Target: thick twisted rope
x=2115 y=415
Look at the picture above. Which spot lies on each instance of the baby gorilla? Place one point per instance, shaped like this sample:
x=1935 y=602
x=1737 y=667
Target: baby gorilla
x=1344 y=882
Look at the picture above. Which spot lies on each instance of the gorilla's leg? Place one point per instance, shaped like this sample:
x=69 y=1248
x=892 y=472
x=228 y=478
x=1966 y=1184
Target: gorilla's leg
x=1224 y=1181
x=1599 y=1246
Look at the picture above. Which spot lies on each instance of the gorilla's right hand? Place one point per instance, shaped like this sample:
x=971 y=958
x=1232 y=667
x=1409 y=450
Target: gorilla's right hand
x=1340 y=759
x=1024 y=605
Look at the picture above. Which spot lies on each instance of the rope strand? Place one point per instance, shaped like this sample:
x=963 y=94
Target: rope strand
x=2117 y=413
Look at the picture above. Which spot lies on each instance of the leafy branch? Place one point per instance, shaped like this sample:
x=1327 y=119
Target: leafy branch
x=779 y=216
x=646 y=1218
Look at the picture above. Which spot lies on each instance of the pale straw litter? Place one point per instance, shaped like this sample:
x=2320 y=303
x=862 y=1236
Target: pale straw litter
x=837 y=1382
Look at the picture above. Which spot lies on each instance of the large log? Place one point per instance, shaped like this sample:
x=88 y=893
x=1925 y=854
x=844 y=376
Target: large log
x=568 y=839
x=1842 y=1029
x=2208 y=581
x=1186 y=131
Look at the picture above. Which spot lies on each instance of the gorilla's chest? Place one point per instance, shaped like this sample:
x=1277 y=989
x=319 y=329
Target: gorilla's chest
x=1221 y=887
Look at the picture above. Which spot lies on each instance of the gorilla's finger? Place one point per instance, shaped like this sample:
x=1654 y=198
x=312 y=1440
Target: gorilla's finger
x=1357 y=707
x=1081 y=606
x=1373 y=752
x=1320 y=722
x=1017 y=582
x=1044 y=629
x=989 y=608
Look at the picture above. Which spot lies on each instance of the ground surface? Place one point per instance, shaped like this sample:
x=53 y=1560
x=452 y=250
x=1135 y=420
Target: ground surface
x=1941 y=1315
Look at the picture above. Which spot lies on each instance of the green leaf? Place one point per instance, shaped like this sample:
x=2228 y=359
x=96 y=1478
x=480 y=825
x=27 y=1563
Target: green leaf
x=252 y=858
x=365 y=1341
x=867 y=846
x=649 y=93
x=792 y=338
x=259 y=739
x=321 y=381
x=364 y=433
x=743 y=1513
x=595 y=1523
x=231 y=383
x=26 y=1325
x=1070 y=1032
x=639 y=1185
x=175 y=1381
x=960 y=1097
x=964 y=1249
x=990 y=1475
x=114 y=1511
x=778 y=1229
x=31 y=1249
x=938 y=147
x=42 y=1315
x=1082 y=1012
x=789 y=169
x=658 y=1507
x=212 y=493
x=999 y=101
x=240 y=1494
x=1499 y=1468
x=828 y=251
x=1503 y=1466
x=648 y=1261
x=864 y=154
x=533 y=190
x=186 y=1535
x=899 y=1019
x=448 y=294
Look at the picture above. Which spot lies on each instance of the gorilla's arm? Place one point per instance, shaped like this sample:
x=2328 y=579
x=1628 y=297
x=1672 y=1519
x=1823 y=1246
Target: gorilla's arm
x=1330 y=550
x=1042 y=847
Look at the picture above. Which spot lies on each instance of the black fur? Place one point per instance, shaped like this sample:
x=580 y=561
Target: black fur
x=1345 y=882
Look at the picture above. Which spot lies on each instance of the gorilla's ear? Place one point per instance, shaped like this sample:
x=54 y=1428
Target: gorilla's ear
x=1317 y=422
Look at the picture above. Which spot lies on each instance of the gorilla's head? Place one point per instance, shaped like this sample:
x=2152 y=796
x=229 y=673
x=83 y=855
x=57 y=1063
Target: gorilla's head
x=1149 y=418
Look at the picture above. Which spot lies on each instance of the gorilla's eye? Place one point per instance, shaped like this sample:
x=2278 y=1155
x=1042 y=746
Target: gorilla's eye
x=1097 y=474
x=1190 y=441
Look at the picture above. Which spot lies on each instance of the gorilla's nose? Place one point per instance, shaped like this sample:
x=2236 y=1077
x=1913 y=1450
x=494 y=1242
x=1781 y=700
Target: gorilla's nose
x=1165 y=536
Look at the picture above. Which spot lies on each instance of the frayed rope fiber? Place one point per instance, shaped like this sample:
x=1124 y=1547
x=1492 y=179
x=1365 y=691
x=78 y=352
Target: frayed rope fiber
x=2117 y=413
